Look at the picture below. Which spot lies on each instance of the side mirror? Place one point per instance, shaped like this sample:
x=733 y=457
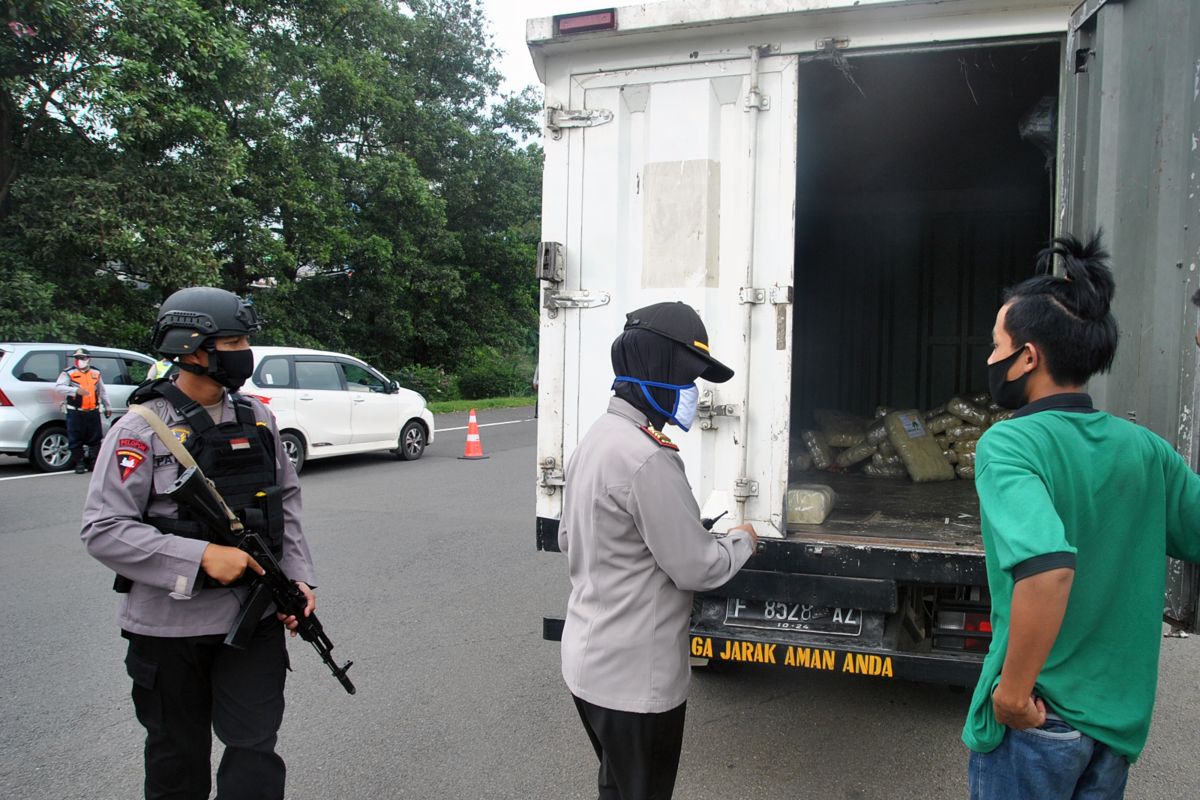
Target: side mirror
x=393 y=387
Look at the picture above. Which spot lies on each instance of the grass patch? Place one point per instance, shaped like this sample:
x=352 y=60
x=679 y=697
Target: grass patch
x=458 y=406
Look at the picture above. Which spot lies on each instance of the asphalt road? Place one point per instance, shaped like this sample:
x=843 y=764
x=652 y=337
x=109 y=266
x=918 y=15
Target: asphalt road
x=429 y=581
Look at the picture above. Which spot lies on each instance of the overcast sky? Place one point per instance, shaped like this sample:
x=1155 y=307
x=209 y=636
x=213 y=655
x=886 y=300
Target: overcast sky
x=508 y=27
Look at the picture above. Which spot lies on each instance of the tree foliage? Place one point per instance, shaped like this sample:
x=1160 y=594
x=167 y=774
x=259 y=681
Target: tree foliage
x=348 y=162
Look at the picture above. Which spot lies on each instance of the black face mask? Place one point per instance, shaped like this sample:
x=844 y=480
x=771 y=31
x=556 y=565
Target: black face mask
x=1007 y=394
x=231 y=368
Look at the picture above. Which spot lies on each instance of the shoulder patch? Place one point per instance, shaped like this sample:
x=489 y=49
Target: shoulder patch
x=658 y=436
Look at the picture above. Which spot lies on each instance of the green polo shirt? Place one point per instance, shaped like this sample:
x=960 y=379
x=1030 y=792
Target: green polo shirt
x=1062 y=484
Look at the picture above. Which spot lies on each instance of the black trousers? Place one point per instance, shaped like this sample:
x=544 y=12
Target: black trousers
x=639 y=753
x=84 y=428
x=186 y=689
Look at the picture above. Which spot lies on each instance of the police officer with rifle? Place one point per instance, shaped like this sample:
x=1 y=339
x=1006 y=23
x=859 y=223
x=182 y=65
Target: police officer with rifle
x=190 y=589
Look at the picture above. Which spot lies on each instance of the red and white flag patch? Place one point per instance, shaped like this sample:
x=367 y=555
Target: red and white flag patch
x=128 y=460
x=239 y=444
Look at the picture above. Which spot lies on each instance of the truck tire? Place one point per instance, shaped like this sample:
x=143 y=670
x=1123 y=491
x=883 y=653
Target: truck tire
x=412 y=441
x=293 y=448
x=48 y=450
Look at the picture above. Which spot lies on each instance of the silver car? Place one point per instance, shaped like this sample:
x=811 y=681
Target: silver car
x=32 y=422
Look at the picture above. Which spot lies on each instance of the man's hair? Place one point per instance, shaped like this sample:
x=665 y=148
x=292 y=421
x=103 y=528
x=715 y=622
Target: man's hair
x=1067 y=316
x=1196 y=297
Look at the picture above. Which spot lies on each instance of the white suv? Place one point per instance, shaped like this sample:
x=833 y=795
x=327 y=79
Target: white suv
x=32 y=422
x=330 y=404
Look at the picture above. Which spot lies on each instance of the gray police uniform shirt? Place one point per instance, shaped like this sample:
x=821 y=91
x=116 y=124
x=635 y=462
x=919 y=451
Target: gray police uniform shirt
x=165 y=599
x=636 y=551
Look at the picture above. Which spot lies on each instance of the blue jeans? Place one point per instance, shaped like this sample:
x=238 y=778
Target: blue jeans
x=1053 y=762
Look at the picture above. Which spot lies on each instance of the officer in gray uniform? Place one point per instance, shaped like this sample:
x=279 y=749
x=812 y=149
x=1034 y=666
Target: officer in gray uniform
x=181 y=592
x=636 y=551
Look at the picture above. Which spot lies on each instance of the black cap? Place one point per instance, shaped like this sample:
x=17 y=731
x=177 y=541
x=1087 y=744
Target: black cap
x=680 y=323
x=81 y=353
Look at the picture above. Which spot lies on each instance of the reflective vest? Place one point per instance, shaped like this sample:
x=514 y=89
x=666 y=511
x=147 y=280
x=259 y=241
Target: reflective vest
x=88 y=380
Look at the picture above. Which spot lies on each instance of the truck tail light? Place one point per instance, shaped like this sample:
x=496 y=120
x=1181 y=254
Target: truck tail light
x=962 y=630
x=4 y=401
x=603 y=20
x=266 y=401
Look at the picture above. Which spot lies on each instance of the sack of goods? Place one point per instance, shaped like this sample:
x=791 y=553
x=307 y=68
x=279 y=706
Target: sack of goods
x=809 y=504
x=934 y=445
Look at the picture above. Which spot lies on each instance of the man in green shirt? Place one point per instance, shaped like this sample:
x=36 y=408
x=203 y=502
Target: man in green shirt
x=1080 y=510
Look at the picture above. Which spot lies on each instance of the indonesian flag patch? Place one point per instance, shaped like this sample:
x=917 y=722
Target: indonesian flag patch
x=239 y=444
x=128 y=460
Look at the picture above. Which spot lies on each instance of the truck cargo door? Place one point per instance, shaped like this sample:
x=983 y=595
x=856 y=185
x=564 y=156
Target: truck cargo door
x=648 y=197
x=1131 y=165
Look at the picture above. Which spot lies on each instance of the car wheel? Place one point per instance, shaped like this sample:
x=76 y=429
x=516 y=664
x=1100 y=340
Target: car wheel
x=412 y=441
x=49 y=451
x=293 y=448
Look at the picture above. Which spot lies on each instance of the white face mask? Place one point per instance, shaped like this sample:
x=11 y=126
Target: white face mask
x=83 y=363
x=685 y=410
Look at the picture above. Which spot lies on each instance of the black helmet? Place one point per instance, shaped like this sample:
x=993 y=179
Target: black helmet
x=190 y=317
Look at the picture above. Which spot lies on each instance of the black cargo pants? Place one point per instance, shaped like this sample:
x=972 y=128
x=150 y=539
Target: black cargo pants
x=186 y=689
x=639 y=753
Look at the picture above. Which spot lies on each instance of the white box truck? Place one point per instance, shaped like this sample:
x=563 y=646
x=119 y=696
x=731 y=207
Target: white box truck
x=842 y=189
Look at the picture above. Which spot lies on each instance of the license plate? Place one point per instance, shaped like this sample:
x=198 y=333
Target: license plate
x=778 y=615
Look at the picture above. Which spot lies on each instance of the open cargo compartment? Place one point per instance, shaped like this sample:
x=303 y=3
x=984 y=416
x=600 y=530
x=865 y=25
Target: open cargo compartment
x=924 y=188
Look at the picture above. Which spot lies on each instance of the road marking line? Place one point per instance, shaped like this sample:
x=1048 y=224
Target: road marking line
x=484 y=425
x=39 y=475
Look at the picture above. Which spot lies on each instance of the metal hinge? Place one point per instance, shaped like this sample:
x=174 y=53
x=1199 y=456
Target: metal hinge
x=552 y=264
x=831 y=43
x=751 y=296
x=550 y=476
x=708 y=408
x=781 y=295
x=558 y=118
x=585 y=298
x=744 y=488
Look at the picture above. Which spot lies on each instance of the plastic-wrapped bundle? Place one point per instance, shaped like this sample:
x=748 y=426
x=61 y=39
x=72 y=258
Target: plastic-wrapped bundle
x=872 y=471
x=882 y=411
x=935 y=412
x=1001 y=415
x=967 y=459
x=967 y=412
x=920 y=452
x=966 y=446
x=886 y=449
x=961 y=433
x=852 y=455
x=818 y=447
x=880 y=461
x=840 y=429
x=809 y=504
x=801 y=461
x=877 y=433
x=951 y=456
x=965 y=472
x=940 y=423
x=981 y=399
x=943 y=441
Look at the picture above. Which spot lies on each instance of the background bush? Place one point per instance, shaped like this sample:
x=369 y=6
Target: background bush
x=491 y=373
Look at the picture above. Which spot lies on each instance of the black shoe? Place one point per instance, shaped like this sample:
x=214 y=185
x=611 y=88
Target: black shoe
x=80 y=469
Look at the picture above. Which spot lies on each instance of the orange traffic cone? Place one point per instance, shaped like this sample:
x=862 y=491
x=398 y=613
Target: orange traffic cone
x=474 y=448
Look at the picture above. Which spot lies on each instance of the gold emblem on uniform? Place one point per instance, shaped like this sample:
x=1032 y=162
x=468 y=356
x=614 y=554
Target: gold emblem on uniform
x=181 y=434
x=658 y=436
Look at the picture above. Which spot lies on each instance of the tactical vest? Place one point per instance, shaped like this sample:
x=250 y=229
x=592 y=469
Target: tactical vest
x=237 y=456
x=85 y=379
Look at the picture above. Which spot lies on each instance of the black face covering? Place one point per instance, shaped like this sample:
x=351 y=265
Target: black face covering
x=1007 y=394
x=231 y=368
x=650 y=357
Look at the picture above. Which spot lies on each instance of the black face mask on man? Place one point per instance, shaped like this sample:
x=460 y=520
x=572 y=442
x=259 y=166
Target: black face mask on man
x=231 y=368
x=1007 y=394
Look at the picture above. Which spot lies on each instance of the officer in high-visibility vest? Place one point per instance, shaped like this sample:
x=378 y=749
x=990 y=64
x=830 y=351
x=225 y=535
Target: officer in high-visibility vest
x=85 y=394
x=163 y=368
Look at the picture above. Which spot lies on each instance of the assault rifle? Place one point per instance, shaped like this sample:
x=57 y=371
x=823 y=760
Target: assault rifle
x=199 y=494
